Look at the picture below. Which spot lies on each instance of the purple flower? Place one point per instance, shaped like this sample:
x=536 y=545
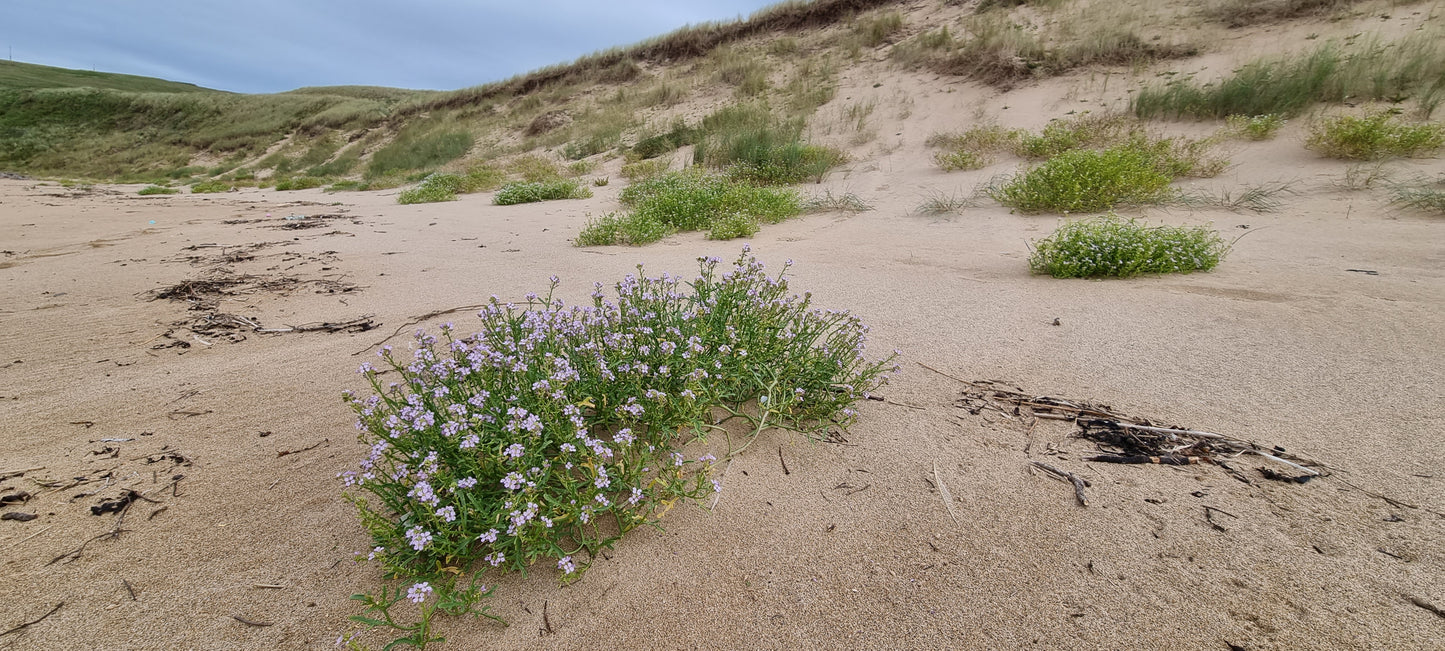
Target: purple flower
x=418 y=538
x=512 y=481
x=514 y=451
x=466 y=482
x=418 y=592
x=447 y=513
x=489 y=537
x=566 y=565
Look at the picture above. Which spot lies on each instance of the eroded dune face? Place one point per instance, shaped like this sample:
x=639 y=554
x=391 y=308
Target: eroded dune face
x=171 y=366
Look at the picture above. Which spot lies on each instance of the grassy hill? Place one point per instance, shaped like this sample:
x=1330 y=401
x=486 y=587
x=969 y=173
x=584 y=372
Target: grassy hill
x=735 y=84
x=17 y=75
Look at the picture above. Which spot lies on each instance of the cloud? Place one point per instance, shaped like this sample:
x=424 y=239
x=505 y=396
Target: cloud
x=276 y=45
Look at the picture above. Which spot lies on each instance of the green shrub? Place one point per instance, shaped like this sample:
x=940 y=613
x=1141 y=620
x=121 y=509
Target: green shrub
x=434 y=188
x=209 y=187
x=533 y=168
x=732 y=226
x=950 y=161
x=679 y=136
x=688 y=201
x=644 y=169
x=156 y=189
x=413 y=150
x=1110 y=246
x=300 y=183
x=346 y=186
x=524 y=192
x=550 y=434
x=1086 y=131
x=482 y=178
x=759 y=148
x=1373 y=137
x=1257 y=127
x=1085 y=180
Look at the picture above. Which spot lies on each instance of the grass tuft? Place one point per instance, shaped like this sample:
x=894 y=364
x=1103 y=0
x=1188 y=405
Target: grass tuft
x=530 y=192
x=829 y=202
x=1085 y=180
x=415 y=149
x=299 y=183
x=1257 y=127
x=434 y=188
x=759 y=148
x=690 y=200
x=1374 y=137
x=1111 y=246
x=210 y=187
x=156 y=189
x=1425 y=197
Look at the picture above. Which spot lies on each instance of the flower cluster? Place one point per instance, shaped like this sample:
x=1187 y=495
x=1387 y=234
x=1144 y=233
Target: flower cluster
x=554 y=430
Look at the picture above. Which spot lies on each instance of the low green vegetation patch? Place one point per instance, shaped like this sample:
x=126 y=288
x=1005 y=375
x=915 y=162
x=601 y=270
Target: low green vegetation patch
x=1362 y=69
x=1085 y=180
x=436 y=187
x=1373 y=137
x=156 y=189
x=212 y=186
x=1112 y=246
x=417 y=149
x=1255 y=127
x=691 y=201
x=529 y=192
x=300 y=183
x=1425 y=197
x=537 y=443
x=757 y=147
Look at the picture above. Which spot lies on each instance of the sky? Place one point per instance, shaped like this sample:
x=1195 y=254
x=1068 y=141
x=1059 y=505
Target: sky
x=265 y=46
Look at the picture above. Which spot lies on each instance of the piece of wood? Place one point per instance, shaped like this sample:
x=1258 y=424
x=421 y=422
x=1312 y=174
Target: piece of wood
x=1078 y=483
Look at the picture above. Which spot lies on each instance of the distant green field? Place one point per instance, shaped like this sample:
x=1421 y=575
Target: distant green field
x=14 y=74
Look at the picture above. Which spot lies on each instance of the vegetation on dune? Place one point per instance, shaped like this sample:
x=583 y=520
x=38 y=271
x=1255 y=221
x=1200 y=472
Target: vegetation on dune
x=1412 y=67
x=758 y=147
x=530 y=192
x=1373 y=137
x=1426 y=196
x=1111 y=246
x=15 y=75
x=691 y=200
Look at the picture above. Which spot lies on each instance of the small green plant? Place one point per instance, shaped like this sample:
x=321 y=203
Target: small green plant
x=482 y=178
x=1261 y=198
x=533 y=168
x=1084 y=180
x=1112 y=246
x=578 y=168
x=299 y=183
x=346 y=186
x=940 y=203
x=688 y=201
x=601 y=182
x=1085 y=131
x=877 y=30
x=525 y=192
x=1373 y=137
x=209 y=187
x=732 y=226
x=757 y=147
x=1425 y=197
x=1257 y=127
x=950 y=161
x=829 y=202
x=645 y=169
x=436 y=187
x=156 y=189
x=551 y=433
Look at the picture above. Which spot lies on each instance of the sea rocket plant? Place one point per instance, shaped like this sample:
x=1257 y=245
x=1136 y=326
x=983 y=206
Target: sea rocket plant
x=554 y=430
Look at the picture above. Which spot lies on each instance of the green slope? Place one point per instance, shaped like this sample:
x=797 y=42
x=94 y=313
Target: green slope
x=14 y=74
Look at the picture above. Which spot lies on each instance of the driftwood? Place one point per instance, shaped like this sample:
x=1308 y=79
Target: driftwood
x=1079 y=484
x=1121 y=438
x=33 y=621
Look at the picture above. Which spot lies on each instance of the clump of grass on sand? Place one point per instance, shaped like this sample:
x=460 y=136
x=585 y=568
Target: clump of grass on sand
x=1425 y=197
x=1373 y=137
x=755 y=146
x=300 y=183
x=1085 y=180
x=156 y=189
x=973 y=149
x=1112 y=246
x=1254 y=127
x=434 y=188
x=645 y=169
x=690 y=201
x=525 y=192
x=212 y=186
x=1363 y=69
